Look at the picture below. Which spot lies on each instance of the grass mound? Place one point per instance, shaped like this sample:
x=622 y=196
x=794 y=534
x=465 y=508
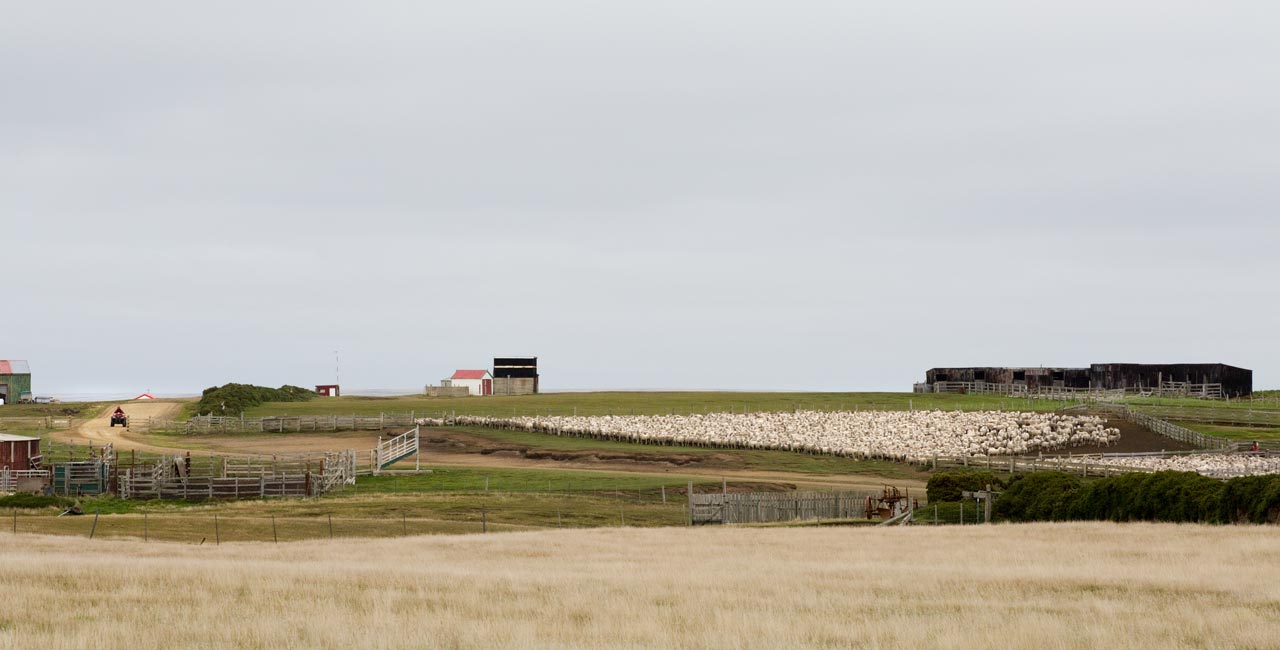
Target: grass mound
x=233 y=399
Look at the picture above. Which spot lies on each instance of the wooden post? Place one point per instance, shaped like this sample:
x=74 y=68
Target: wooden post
x=330 y=525
x=217 y=535
x=95 y=523
x=274 y=537
x=145 y=536
x=690 y=493
x=484 y=520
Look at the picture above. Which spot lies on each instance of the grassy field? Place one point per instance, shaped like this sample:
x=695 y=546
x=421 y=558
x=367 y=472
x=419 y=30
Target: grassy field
x=1244 y=434
x=447 y=500
x=1032 y=586
x=782 y=461
x=643 y=403
x=79 y=410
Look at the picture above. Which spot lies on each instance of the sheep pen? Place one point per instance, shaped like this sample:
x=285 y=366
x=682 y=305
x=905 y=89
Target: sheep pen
x=892 y=435
x=902 y=436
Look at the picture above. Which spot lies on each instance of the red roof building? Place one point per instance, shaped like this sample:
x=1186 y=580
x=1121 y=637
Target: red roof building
x=477 y=382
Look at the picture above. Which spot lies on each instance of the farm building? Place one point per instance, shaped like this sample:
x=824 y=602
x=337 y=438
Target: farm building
x=1234 y=382
x=328 y=390
x=515 y=375
x=19 y=453
x=15 y=382
x=477 y=382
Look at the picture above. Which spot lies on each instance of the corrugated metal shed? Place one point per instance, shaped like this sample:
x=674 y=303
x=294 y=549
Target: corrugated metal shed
x=14 y=367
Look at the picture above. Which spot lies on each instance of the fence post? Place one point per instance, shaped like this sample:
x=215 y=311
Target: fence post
x=95 y=524
x=217 y=535
x=331 y=526
x=274 y=537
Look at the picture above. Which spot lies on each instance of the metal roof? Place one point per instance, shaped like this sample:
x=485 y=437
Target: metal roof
x=9 y=437
x=14 y=368
x=469 y=374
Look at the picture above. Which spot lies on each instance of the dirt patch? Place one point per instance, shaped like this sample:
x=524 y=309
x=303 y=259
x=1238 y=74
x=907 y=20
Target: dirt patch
x=1133 y=438
x=462 y=442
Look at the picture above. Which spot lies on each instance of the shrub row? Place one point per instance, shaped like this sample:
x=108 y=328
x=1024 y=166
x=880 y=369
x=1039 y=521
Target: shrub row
x=1161 y=496
x=233 y=399
x=949 y=485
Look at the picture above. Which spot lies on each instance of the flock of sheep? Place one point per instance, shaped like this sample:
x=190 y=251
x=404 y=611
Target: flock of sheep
x=896 y=435
x=1217 y=465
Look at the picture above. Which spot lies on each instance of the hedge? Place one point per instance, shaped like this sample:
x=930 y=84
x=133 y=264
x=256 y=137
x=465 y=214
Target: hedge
x=1160 y=496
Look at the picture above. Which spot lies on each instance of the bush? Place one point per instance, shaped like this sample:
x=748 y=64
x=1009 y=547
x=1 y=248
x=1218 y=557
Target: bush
x=233 y=399
x=1160 y=496
x=948 y=486
x=1043 y=496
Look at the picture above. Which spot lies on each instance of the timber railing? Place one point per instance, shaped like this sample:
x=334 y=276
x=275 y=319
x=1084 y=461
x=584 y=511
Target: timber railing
x=204 y=424
x=50 y=422
x=1170 y=430
x=762 y=507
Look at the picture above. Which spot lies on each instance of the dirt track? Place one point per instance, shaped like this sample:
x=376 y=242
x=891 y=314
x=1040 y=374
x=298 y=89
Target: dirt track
x=100 y=432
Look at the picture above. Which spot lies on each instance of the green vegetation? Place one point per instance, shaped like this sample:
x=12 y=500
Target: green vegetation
x=645 y=403
x=950 y=485
x=28 y=501
x=233 y=399
x=538 y=445
x=1262 y=435
x=79 y=410
x=1161 y=496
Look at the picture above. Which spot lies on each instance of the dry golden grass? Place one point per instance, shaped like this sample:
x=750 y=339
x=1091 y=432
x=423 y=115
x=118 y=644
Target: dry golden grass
x=1040 y=586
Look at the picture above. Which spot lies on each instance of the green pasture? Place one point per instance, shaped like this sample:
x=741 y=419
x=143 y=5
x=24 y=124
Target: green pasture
x=644 y=403
x=1243 y=434
x=762 y=460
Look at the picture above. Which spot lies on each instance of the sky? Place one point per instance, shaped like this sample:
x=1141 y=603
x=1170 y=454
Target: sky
x=720 y=195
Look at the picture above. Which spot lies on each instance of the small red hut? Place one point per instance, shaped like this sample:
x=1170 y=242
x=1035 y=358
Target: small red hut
x=19 y=453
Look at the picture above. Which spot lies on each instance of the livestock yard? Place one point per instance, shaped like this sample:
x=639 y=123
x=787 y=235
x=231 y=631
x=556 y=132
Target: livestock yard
x=588 y=488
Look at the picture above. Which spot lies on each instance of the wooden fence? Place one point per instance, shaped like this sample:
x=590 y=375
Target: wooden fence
x=177 y=477
x=1022 y=391
x=53 y=423
x=1170 y=430
x=1214 y=415
x=760 y=507
x=1091 y=465
x=205 y=424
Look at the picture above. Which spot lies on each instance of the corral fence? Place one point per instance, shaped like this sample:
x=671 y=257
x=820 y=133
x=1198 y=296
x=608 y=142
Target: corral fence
x=205 y=424
x=1170 y=430
x=178 y=477
x=766 y=507
x=24 y=480
x=1214 y=415
x=1022 y=391
x=51 y=423
x=1166 y=389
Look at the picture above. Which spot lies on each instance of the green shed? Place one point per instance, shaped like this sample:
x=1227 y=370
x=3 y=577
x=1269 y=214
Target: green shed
x=15 y=381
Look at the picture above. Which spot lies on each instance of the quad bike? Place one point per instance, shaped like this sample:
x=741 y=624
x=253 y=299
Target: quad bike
x=120 y=418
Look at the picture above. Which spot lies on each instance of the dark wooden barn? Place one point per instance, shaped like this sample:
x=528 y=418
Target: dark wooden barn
x=515 y=376
x=1236 y=382
x=19 y=453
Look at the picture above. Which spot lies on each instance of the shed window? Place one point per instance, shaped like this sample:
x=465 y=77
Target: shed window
x=1058 y=375
x=942 y=376
x=1019 y=375
x=979 y=375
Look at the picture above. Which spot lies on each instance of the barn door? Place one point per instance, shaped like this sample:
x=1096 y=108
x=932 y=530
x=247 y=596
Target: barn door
x=486 y=386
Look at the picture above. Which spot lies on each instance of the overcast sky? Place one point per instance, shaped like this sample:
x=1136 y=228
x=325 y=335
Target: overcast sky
x=740 y=195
